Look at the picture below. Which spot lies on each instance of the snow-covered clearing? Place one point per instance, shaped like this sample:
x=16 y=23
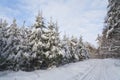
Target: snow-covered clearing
x=93 y=69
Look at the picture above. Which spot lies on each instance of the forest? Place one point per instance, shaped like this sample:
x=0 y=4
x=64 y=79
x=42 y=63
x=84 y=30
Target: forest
x=41 y=47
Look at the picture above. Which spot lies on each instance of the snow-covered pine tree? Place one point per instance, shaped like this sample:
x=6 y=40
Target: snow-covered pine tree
x=53 y=53
x=24 y=49
x=112 y=30
x=3 y=30
x=72 y=48
x=79 y=48
x=3 y=41
x=37 y=42
x=59 y=55
x=65 y=49
x=12 y=46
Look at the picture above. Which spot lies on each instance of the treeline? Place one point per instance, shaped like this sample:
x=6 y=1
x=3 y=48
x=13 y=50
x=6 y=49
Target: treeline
x=109 y=41
x=37 y=47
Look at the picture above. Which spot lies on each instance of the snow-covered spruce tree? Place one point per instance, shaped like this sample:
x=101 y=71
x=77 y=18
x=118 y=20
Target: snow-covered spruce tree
x=12 y=46
x=3 y=39
x=24 y=49
x=79 y=49
x=37 y=42
x=65 y=49
x=53 y=46
x=112 y=30
x=73 y=48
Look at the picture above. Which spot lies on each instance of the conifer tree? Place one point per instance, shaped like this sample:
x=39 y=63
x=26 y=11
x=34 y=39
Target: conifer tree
x=12 y=46
x=3 y=43
x=65 y=49
x=72 y=48
x=37 y=42
x=53 y=54
x=79 y=48
x=111 y=32
x=24 y=49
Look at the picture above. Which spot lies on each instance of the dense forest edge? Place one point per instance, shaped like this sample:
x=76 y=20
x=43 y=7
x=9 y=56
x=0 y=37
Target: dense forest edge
x=40 y=46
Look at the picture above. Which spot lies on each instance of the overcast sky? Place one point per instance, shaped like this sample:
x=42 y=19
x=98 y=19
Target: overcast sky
x=74 y=17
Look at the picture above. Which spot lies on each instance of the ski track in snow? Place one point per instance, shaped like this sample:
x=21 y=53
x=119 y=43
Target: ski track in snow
x=94 y=69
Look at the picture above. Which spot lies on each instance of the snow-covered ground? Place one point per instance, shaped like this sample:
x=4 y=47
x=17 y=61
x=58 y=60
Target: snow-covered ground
x=93 y=69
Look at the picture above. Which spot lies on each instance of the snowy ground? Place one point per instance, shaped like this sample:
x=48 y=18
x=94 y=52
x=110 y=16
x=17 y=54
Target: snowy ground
x=94 y=69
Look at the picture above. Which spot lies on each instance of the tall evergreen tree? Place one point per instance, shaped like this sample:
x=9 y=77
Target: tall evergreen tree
x=3 y=43
x=111 y=33
x=65 y=49
x=72 y=47
x=53 y=54
x=79 y=48
x=37 y=43
x=24 y=49
x=12 y=46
